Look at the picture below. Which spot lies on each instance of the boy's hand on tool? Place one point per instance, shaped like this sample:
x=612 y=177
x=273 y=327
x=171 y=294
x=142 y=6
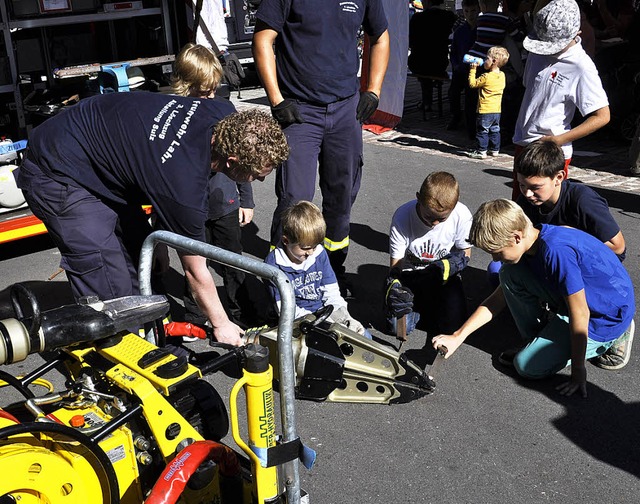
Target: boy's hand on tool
x=450 y=341
x=342 y=316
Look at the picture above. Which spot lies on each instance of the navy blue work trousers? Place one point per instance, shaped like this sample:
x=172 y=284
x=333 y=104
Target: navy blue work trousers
x=328 y=142
x=100 y=243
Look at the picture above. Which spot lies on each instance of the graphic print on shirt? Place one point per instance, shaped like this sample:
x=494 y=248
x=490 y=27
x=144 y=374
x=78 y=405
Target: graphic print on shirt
x=349 y=7
x=162 y=122
x=425 y=252
x=557 y=79
x=308 y=286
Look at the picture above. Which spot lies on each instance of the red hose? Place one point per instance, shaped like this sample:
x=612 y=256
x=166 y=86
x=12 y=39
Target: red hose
x=175 y=476
x=8 y=416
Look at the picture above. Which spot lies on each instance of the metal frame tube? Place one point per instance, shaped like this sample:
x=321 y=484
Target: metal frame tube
x=285 y=324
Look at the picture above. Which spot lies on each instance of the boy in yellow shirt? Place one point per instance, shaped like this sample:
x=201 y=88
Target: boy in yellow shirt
x=490 y=86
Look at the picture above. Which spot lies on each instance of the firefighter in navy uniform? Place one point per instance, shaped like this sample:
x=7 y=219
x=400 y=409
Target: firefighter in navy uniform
x=312 y=86
x=89 y=169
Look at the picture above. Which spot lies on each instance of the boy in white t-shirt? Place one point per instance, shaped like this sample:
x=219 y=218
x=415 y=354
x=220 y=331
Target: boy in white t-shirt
x=559 y=78
x=428 y=248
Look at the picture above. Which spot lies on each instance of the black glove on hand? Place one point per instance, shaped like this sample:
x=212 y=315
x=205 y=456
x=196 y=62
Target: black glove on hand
x=399 y=299
x=450 y=265
x=367 y=105
x=232 y=69
x=286 y=112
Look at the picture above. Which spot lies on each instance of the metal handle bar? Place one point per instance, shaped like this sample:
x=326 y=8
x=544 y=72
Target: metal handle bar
x=285 y=324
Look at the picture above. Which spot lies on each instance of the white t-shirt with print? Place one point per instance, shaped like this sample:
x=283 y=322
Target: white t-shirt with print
x=419 y=244
x=555 y=86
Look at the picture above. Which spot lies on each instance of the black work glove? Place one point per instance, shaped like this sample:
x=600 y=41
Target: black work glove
x=398 y=298
x=232 y=70
x=367 y=105
x=286 y=112
x=450 y=265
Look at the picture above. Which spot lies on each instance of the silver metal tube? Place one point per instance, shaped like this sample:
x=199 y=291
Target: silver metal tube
x=285 y=324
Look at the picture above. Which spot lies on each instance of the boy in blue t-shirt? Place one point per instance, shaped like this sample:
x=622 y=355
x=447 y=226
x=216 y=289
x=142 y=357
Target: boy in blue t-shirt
x=570 y=296
x=304 y=260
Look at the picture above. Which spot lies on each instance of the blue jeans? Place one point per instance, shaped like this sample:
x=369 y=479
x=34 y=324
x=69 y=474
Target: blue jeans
x=541 y=316
x=488 y=132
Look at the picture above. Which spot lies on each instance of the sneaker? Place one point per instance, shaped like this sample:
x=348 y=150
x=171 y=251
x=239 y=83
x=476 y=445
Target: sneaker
x=506 y=358
x=634 y=171
x=493 y=153
x=477 y=154
x=617 y=356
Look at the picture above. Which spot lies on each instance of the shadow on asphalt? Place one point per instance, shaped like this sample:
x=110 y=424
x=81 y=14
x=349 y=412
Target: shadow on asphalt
x=31 y=245
x=410 y=141
x=602 y=425
x=367 y=306
x=369 y=237
x=252 y=244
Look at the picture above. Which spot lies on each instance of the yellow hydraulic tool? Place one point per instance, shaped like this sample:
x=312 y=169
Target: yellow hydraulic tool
x=256 y=381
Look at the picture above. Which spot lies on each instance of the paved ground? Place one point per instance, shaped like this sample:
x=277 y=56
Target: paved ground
x=599 y=160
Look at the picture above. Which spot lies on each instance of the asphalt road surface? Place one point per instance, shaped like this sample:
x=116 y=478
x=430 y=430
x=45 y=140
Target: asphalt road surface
x=485 y=435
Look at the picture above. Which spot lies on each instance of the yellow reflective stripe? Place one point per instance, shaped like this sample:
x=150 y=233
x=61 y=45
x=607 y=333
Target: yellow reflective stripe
x=395 y=281
x=331 y=245
x=446 y=271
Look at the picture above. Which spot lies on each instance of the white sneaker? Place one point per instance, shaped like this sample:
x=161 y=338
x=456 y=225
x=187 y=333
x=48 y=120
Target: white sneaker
x=493 y=153
x=618 y=354
x=477 y=154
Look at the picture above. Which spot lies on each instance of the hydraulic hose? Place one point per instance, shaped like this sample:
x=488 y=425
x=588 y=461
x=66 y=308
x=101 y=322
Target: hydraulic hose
x=175 y=476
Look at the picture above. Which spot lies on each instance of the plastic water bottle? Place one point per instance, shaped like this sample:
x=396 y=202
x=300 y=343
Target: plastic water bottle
x=467 y=58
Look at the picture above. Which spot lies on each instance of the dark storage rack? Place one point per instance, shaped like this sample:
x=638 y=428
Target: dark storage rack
x=9 y=25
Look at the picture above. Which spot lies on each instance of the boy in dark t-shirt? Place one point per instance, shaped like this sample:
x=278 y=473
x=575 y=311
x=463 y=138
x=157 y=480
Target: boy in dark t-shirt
x=197 y=73
x=548 y=198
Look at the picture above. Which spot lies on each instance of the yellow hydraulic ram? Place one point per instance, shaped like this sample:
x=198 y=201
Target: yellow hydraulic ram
x=257 y=382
